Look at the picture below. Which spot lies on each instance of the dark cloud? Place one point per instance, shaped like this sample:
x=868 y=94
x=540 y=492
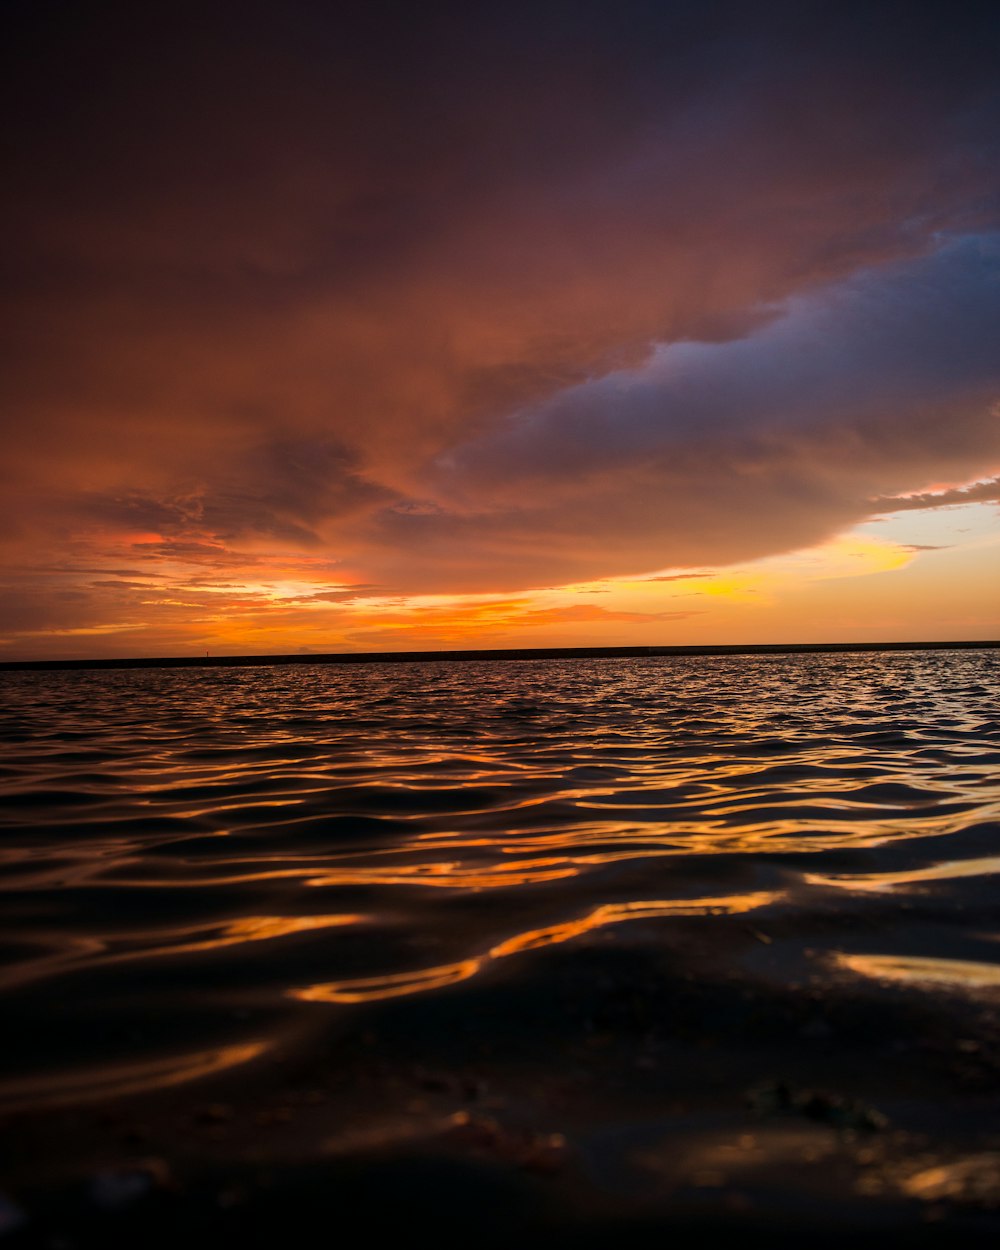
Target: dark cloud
x=718 y=452
x=188 y=551
x=469 y=297
x=44 y=570
x=677 y=577
x=119 y=584
x=134 y=511
x=979 y=492
x=347 y=594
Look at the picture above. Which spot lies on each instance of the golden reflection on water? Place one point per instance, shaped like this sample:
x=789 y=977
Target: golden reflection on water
x=879 y=881
x=615 y=913
x=95 y=952
x=923 y=970
x=262 y=929
x=518 y=857
x=974 y=1178
x=454 y=875
x=717 y=1160
x=396 y=985
x=212 y=796
x=94 y=1084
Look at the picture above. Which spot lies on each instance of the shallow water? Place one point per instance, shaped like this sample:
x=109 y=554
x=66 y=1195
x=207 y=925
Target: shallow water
x=203 y=867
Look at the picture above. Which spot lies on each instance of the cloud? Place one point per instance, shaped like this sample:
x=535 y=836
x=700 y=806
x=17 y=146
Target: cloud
x=978 y=492
x=464 y=298
x=589 y=612
x=714 y=453
x=677 y=577
x=347 y=594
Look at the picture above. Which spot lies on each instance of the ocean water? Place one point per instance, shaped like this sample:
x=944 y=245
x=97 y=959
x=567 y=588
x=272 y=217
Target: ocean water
x=326 y=835
x=208 y=871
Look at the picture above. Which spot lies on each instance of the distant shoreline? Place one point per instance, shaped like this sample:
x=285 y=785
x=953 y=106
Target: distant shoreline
x=513 y=653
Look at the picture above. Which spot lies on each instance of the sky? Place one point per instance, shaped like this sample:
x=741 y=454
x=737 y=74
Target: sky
x=375 y=326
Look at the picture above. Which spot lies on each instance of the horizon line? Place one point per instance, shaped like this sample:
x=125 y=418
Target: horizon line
x=494 y=653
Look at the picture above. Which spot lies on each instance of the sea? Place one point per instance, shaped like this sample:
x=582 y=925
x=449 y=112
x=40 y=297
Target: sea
x=597 y=919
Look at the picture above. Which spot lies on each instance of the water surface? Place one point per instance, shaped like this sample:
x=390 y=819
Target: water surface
x=208 y=870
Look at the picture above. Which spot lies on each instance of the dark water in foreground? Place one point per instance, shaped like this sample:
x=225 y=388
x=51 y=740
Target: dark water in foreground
x=549 y=914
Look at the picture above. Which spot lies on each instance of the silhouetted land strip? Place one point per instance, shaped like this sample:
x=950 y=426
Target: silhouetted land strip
x=512 y=653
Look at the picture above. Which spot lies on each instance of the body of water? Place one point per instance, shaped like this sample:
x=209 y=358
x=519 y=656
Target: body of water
x=571 y=910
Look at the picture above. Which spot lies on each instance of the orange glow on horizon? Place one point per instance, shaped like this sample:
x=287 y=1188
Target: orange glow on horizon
x=198 y=595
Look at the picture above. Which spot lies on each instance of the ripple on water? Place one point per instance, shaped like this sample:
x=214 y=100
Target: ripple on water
x=315 y=837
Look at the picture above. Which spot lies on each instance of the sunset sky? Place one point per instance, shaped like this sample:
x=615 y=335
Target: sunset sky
x=375 y=326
